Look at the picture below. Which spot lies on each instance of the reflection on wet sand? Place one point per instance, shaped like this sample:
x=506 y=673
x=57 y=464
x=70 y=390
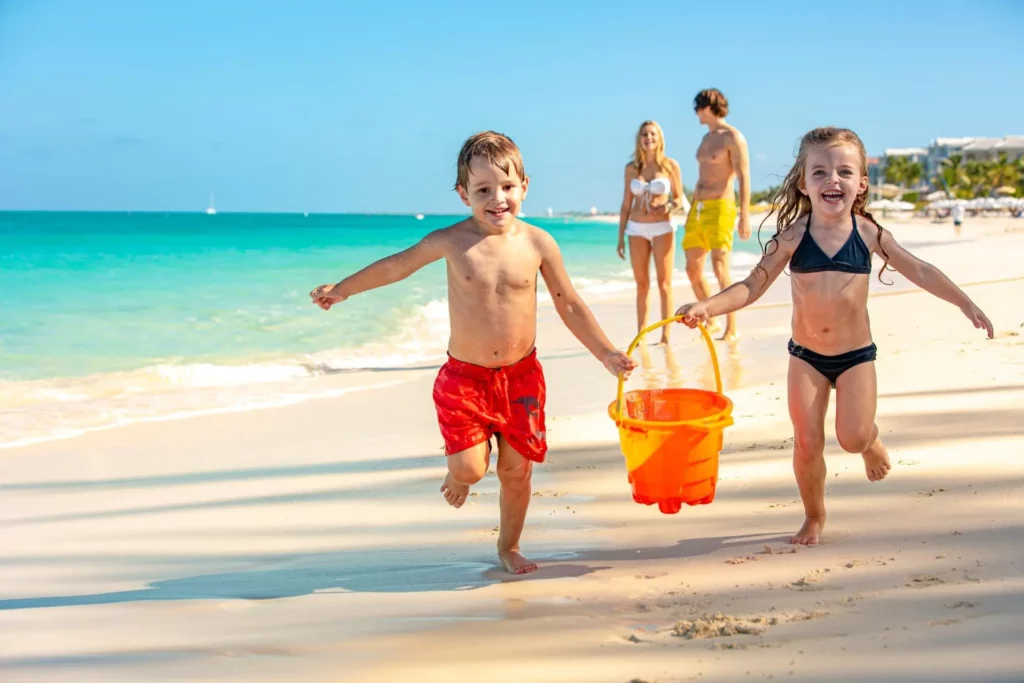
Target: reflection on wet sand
x=669 y=372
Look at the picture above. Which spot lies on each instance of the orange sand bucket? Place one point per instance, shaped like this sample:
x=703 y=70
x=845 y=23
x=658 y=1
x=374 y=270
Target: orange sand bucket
x=671 y=438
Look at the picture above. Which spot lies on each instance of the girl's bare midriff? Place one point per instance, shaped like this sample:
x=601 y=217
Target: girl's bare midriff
x=830 y=313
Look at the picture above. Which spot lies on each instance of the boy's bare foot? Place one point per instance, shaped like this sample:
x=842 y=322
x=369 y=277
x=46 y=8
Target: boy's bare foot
x=810 y=532
x=514 y=563
x=454 y=492
x=876 y=462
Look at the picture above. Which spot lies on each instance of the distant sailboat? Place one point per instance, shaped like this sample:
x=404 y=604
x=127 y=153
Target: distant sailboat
x=210 y=210
x=419 y=216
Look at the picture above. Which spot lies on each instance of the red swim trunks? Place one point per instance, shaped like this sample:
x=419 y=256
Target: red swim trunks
x=475 y=402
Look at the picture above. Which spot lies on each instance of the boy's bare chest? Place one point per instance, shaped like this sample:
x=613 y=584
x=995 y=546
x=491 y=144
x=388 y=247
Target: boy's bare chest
x=485 y=272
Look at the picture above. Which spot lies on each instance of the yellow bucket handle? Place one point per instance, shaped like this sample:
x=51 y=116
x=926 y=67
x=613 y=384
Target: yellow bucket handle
x=640 y=335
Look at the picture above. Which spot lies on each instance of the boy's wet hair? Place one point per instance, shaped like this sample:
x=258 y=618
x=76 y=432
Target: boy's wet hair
x=789 y=203
x=496 y=148
x=714 y=100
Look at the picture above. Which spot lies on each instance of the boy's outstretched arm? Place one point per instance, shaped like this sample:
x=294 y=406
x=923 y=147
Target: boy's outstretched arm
x=574 y=313
x=383 y=272
x=932 y=280
x=746 y=291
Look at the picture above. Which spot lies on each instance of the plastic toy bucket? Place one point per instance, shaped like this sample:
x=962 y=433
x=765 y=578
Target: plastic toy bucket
x=671 y=438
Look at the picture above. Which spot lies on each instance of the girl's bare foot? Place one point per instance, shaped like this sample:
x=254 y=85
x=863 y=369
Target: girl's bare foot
x=730 y=335
x=810 y=532
x=454 y=492
x=514 y=563
x=876 y=461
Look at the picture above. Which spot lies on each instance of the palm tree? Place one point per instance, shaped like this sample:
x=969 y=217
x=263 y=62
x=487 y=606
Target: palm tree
x=902 y=171
x=896 y=170
x=976 y=179
x=951 y=174
x=913 y=172
x=1000 y=172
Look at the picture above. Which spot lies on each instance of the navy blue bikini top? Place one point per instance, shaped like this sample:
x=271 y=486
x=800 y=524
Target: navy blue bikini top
x=853 y=257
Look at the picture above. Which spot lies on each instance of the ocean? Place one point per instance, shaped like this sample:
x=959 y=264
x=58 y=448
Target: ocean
x=113 y=318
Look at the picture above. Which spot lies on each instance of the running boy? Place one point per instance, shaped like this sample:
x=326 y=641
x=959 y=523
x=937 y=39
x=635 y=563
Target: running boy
x=827 y=238
x=492 y=382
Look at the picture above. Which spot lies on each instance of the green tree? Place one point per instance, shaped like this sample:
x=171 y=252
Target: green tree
x=913 y=172
x=763 y=195
x=976 y=177
x=896 y=170
x=903 y=172
x=951 y=174
x=1000 y=172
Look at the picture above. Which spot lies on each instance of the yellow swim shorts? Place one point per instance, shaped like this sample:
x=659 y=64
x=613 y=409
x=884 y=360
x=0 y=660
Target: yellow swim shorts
x=710 y=224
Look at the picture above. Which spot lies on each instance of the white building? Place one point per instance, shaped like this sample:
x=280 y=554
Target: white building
x=972 y=149
x=984 y=149
x=941 y=149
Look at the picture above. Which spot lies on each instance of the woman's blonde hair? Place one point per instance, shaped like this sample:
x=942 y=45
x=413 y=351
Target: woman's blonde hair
x=640 y=157
x=789 y=203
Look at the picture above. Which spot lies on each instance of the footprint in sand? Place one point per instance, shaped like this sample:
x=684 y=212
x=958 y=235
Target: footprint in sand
x=809 y=582
x=960 y=604
x=718 y=625
x=929 y=494
x=924 y=581
x=784 y=550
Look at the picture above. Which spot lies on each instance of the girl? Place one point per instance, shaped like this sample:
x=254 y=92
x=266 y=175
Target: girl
x=646 y=218
x=827 y=238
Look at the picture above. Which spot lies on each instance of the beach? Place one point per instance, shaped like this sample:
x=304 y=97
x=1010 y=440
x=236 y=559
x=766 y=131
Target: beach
x=306 y=539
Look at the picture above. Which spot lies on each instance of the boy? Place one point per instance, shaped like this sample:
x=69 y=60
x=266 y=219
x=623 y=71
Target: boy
x=492 y=382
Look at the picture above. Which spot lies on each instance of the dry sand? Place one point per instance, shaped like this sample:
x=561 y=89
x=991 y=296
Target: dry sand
x=310 y=543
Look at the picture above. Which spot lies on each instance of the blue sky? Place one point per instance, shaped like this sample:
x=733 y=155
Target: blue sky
x=361 y=106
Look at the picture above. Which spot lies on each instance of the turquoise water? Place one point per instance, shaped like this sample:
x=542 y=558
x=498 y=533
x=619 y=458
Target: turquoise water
x=105 y=306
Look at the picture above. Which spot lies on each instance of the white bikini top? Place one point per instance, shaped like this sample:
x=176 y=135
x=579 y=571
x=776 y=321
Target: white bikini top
x=646 y=190
x=658 y=186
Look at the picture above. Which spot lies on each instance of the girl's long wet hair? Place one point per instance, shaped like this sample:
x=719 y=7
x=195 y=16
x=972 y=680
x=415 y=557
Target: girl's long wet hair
x=639 y=156
x=789 y=203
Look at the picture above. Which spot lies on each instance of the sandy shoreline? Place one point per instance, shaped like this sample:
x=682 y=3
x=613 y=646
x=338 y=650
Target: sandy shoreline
x=309 y=542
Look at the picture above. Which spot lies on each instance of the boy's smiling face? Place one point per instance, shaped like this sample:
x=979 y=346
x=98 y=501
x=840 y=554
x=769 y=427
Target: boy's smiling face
x=494 y=196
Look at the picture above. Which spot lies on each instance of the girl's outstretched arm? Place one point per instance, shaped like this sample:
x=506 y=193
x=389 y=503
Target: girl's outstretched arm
x=932 y=280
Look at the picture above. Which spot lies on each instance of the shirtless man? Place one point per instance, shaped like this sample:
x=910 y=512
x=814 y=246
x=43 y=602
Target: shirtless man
x=721 y=158
x=493 y=383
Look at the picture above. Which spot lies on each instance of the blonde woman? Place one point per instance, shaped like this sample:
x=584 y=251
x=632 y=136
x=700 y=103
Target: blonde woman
x=653 y=190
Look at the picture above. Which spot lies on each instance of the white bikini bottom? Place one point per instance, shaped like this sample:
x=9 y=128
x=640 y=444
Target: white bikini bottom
x=649 y=230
